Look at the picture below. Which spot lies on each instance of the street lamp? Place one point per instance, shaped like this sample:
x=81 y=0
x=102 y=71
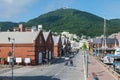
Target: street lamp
x=12 y=59
x=85 y=58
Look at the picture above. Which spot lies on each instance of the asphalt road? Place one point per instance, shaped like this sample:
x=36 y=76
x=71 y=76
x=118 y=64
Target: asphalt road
x=55 y=71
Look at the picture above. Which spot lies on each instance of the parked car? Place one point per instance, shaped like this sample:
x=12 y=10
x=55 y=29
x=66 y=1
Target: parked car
x=108 y=59
x=116 y=63
x=67 y=58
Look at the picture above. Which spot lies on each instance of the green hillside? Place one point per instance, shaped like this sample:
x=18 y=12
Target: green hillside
x=7 y=25
x=74 y=21
x=71 y=20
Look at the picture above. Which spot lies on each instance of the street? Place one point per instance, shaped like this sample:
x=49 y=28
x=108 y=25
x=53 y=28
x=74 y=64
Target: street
x=55 y=71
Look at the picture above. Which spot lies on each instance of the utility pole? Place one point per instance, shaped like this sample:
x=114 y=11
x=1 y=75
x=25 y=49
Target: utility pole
x=85 y=59
x=105 y=38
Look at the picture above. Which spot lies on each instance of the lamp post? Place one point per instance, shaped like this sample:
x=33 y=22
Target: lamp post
x=12 y=59
x=87 y=63
x=85 y=58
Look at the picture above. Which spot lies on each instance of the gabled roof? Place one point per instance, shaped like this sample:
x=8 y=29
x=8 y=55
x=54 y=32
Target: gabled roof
x=46 y=34
x=108 y=40
x=56 y=39
x=63 y=40
x=20 y=37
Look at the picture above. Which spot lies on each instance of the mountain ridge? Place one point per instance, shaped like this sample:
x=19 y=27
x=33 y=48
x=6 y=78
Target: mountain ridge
x=75 y=21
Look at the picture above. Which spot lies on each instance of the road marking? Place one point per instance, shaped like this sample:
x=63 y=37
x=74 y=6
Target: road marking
x=60 y=71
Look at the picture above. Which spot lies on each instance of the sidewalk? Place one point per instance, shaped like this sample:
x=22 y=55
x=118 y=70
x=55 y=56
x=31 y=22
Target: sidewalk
x=99 y=69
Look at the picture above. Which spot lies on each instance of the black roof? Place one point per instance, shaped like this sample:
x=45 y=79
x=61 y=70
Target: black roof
x=108 y=40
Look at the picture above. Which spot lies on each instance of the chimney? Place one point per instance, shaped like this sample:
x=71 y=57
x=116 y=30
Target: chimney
x=39 y=27
x=21 y=28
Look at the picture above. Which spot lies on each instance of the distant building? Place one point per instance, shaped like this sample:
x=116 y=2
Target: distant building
x=103 y=45
x=74 y=45
x=21 y=28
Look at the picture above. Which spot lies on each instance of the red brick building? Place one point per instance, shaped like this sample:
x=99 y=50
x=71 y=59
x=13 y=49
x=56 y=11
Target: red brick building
x=49 y=45
x=28 y=46
x=57 y=46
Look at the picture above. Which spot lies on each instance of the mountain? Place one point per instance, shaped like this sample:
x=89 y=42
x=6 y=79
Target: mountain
x=7 y=25
x=75 y=21
x=113 y=26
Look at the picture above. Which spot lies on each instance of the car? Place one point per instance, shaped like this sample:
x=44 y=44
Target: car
x=108 y=59
x=116 y=66
x=67 y=58
x=71 y=56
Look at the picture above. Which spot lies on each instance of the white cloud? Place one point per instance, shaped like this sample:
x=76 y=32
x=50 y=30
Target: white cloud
x=12 y=8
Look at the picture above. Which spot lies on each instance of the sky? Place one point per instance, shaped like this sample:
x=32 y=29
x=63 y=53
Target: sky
x=24 y=10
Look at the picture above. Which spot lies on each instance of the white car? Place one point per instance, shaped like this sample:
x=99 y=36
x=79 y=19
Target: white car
x=67 y=58
x=108 y=60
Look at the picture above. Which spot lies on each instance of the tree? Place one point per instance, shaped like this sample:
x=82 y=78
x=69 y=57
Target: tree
x=9 y=53
x=84 y=46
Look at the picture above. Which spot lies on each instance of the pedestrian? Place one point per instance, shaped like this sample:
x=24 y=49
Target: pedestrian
x=71 y=62
x=94 y=76
x=66 y=62
x=44 y=61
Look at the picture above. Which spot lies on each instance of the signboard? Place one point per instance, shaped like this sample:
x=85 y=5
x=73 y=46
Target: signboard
x=27 y=60
x=18 y=60
x=8 y=59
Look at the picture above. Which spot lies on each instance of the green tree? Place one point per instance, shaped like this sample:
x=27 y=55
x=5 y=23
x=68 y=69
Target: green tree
x=84 y=46
x=9 y=53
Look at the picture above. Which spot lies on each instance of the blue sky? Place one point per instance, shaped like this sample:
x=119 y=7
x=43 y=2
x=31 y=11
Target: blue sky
x=24 y=10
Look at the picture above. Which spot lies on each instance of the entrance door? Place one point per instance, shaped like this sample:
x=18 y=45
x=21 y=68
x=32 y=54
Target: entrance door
x=50 y=55
x=40 y=58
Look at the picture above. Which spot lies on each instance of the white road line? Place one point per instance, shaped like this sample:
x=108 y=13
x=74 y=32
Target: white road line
x=60 y=71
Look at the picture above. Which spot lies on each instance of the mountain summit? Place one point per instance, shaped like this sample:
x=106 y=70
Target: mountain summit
x=74 y=21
